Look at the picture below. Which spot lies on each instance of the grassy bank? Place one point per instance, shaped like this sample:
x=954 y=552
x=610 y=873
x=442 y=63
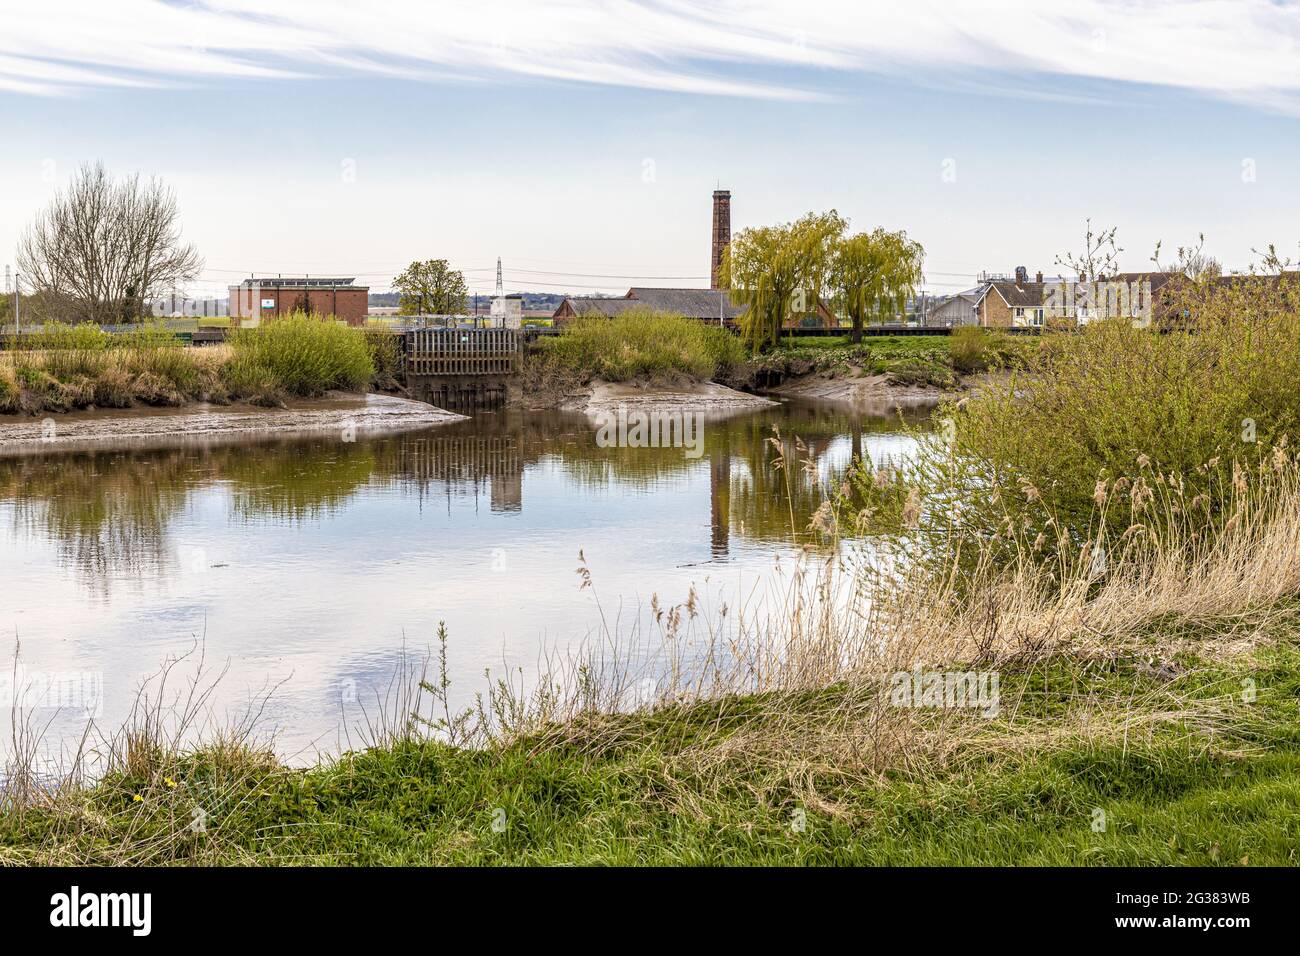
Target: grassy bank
x=1091 y=762
x=65 y=368
x=640 y=344
x=934 y=361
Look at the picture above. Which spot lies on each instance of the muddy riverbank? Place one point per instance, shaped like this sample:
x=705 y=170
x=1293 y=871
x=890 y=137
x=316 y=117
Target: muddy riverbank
x=340 y=411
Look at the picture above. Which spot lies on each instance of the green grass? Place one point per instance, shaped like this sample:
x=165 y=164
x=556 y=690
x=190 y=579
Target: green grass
x=68 y=367
x=691 y=786
x=642 y=343
x=305 y=354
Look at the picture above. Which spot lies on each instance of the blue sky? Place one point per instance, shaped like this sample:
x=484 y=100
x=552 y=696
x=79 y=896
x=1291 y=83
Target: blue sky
x=584 y=139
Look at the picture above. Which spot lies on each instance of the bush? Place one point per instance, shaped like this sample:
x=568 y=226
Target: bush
x=246 y=379
x=1122 y=428
x=9 y=392
x=645 y=342
x=61 y=336
x=385 y=355
x=968 y=348
x=920 y=373
x=304 y=355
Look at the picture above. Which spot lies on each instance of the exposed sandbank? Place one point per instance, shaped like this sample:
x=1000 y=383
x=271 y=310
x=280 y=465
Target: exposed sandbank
x=335 y=411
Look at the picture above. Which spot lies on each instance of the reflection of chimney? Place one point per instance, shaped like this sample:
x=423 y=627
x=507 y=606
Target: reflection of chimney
x=720 y=502
x=721 y=232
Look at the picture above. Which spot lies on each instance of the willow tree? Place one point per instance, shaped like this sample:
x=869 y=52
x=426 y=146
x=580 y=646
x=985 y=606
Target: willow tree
x=874 y=273
x=778 y=271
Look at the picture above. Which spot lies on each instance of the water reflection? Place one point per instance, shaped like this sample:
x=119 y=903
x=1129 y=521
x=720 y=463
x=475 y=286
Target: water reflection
x=305 y=563
x=112 y=511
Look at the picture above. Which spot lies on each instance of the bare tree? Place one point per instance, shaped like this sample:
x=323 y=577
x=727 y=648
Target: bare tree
x=104 y=247
x=1193 y=262
x=1100 y=254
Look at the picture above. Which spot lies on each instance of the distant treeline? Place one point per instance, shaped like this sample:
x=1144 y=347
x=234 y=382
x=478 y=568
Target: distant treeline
x=532 y=300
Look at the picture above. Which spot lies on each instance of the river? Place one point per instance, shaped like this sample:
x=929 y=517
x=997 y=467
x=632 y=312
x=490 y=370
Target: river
x=308 y=568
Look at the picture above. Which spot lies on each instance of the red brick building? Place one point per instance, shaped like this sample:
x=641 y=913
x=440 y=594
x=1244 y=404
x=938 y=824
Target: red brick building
x=266 y=298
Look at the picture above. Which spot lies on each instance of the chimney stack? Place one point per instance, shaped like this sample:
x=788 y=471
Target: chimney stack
x=1022 y=275
x=1039 y=277
x=721 y=232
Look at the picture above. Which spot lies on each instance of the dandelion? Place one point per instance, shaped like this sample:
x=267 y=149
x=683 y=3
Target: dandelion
x=170 y=782
x=136 y=798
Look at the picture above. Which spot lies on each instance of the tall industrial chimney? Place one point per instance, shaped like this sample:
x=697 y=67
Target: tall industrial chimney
x=721 y=232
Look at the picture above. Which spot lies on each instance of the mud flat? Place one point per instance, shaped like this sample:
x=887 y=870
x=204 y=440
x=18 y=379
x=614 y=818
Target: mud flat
x=335 y=411
x=870 y=391
x=706 y=396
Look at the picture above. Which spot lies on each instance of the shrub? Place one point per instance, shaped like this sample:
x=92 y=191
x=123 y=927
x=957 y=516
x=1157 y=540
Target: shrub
x=253 y=382
x=9 y=392
x=386 y=356
x=645 y=342
x=303 y=355
x=1122 y=428
x=921 y=373
x=968 y=347
x=62 y=336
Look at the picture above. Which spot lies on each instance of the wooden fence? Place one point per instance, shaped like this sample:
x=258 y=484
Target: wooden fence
x=462 y=352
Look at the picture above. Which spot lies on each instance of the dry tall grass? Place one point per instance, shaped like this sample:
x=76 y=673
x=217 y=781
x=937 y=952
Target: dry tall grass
x=795 y=688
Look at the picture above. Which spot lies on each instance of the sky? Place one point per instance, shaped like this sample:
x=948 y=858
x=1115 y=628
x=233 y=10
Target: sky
x=581 y=141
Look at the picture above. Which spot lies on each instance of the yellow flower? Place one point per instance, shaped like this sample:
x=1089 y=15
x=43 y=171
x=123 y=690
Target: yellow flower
x=137 y=798
x=170 y=782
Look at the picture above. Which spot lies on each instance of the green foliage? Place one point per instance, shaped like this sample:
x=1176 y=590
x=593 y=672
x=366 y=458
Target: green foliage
x=386 y=355
x=873 y=275
x=610 y=790
x=9 y=391
x=644 y=342
x=779 y=271
x=922 y=373
x=1115 y=426
x=61 y=336
x=431 y=287
x=972 y=349
x=305 y=355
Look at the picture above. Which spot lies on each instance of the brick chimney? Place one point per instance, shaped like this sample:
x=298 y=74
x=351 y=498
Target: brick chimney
x=721 y=232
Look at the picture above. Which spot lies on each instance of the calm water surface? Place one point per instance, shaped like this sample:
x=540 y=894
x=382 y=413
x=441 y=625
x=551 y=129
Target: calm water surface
x=308 y=564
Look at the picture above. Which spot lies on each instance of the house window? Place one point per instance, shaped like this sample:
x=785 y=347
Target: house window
x=1020 y=313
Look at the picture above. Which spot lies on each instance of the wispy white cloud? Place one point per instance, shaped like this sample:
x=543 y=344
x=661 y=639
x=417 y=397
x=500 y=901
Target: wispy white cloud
x=1248 y=50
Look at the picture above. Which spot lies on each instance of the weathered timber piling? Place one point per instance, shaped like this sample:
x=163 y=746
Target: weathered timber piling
x=461 y=368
